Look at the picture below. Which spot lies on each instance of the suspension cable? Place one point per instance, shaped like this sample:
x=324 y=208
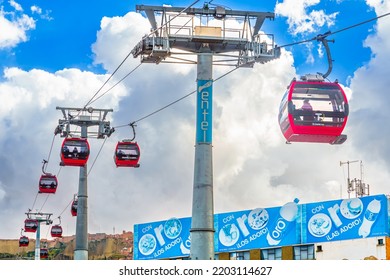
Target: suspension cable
x=127 y=56
x=93 y=163
x=335 y=32
x=128 y=74
x=174 y=102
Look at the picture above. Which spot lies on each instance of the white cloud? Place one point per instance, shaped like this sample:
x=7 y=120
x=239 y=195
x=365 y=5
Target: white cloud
x=14 y=30
x=2 y=191
x=16 y=5
x=370 y=90
x=36 y=9
x=300 y=20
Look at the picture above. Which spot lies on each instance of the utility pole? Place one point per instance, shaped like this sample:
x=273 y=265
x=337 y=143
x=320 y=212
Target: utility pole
x=40 y=218
x=197 y=36
x=83 y=118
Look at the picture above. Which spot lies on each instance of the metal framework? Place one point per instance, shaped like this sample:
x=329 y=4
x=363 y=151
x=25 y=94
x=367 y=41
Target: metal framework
x=83 y=118
x=235 y=38
x=356 y=185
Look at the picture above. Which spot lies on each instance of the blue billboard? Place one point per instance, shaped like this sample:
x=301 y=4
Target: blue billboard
x=163 y=239
x=257 y=228
x=345 y=219
x=289 y=224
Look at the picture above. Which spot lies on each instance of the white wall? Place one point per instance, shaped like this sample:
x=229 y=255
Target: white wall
x=356 y=249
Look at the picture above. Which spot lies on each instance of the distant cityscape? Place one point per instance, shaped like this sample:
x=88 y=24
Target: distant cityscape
x=101 y=246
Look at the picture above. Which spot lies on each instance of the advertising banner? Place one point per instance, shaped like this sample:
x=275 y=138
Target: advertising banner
x=345 y=219
x=257 y=228
x=163 y=239
x=290 y=224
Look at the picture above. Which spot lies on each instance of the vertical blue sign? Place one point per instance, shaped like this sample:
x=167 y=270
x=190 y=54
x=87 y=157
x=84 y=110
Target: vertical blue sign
x=204 y=111
x=345 y=219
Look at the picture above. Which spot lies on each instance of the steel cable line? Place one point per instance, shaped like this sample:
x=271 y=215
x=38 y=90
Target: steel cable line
x=93 y=99
x=283 y=46
x=127 y=56
x=93 y=163
x=335 y=32
x=173 y=102
x=128 y=74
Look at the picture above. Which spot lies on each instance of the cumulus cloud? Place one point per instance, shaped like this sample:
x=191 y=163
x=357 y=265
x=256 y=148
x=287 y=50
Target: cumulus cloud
x=370 y=93
x=28 y=119
x=16 y=5
x=14 y=26
x=300 y=19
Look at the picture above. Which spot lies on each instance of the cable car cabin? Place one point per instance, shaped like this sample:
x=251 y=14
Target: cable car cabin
x=74 y=152
x=23 y=241
x=73 y=208
x=314 y=111
x=44 y=253
x=30 y=225
x=48 y=183
x=127 y=154
x=56 y=231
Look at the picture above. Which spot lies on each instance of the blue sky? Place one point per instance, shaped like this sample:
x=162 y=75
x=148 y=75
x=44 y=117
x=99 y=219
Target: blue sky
x=63 y=34
x=58 y=53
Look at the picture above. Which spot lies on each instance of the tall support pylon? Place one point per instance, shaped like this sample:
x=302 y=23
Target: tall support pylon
x=83 y=118
x=202 y=223
x=40 y=218
x=197 y=36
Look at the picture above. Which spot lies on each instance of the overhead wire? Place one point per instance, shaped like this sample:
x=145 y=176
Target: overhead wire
x=94 y=98
x=128 y=55
x=334 y=32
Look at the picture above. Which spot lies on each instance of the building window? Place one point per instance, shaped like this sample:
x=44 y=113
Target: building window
x=380 y=242
x=271 y=254
x=242 y=255
x=319 y=248
x=304 y=252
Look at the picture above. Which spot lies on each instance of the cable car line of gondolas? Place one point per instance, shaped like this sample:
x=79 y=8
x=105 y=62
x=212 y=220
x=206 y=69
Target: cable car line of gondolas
x=311 y=110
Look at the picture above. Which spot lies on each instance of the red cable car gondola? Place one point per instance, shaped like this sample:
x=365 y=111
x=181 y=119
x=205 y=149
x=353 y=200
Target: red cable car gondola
x=48 y=183
x=313 y=110
x=74 y=152
x=30 y=225
x=23 y=241
x=127 y=154
x=73 y=208
x=44 y=253
x=56 y=231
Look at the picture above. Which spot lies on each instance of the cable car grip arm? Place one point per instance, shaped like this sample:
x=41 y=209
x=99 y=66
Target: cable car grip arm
x=322 y=38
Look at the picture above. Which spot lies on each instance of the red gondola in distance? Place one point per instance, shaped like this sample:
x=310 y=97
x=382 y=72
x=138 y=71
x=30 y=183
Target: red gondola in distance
x=73 y=208
x=314 y=111
x=44 y=253
x=74 y=152
x=30 y=225
x=56 y=231
x=48 y=183
x=127 y=154
x=23 y=241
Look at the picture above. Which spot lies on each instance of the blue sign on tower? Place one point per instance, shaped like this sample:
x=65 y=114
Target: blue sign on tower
x=204 y=112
